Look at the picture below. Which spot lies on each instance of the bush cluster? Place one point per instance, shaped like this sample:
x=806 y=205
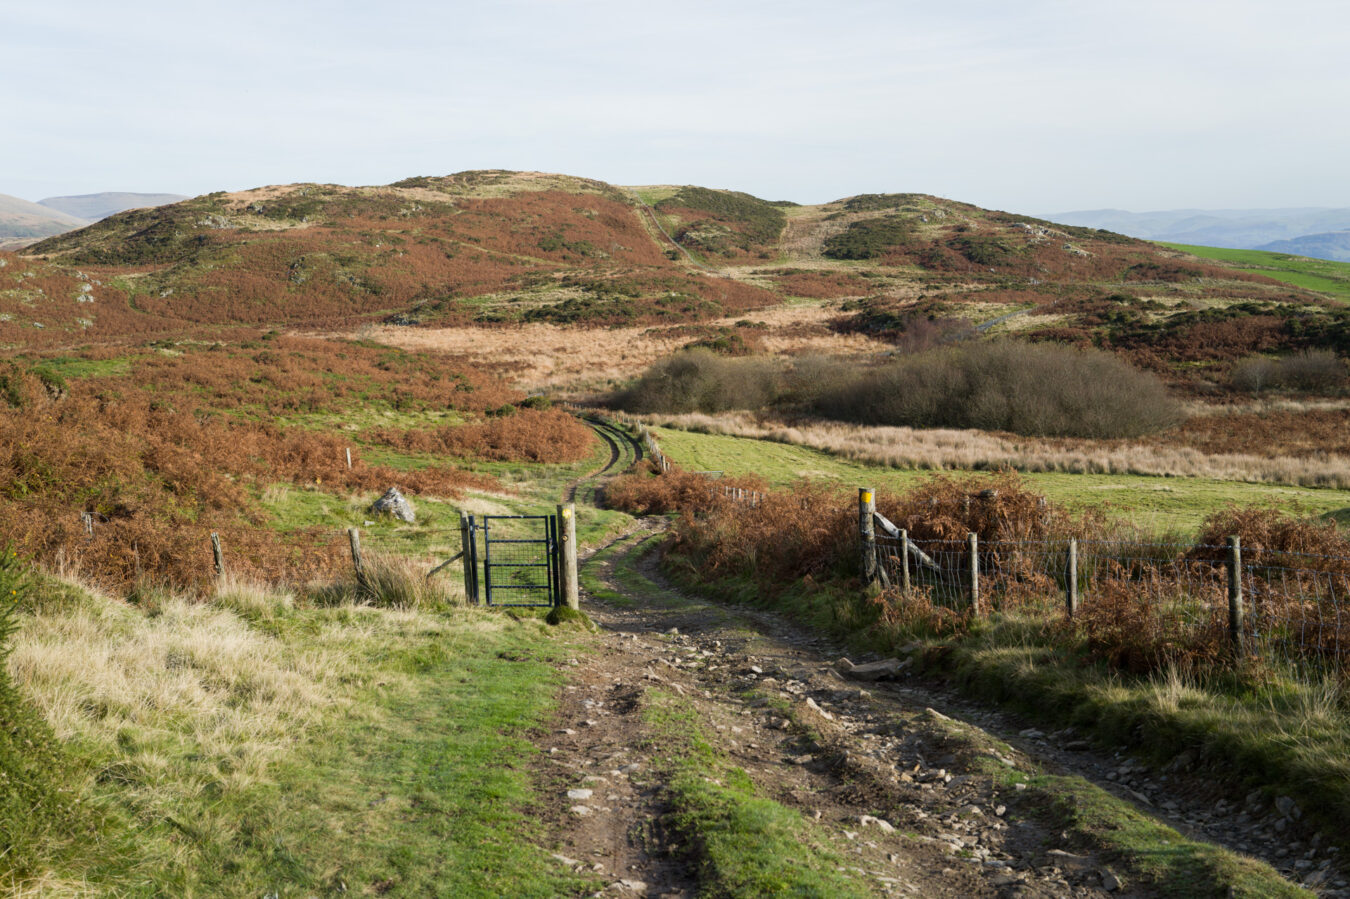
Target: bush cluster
x=870 y=238
x=1030 y=389
x=700 y=380
x=1310 y=371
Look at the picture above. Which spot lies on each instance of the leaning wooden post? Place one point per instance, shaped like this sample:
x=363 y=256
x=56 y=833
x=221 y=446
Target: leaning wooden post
x=218 y=554
x=354 y=538
x=904 y=560
x=1071 y=578
x=88 y=521
x=867 y=508
x=1235 y=631
x=567 y=517
x=974 y=544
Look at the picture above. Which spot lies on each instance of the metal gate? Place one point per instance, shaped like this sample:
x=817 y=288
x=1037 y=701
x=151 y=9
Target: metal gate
x=520 y=560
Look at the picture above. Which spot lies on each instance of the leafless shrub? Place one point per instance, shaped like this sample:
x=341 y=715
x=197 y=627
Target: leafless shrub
x=1034 y=389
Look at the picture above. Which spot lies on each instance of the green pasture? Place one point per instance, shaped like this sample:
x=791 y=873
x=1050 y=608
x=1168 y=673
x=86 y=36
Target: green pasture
x=1321 y=275
x=1157 y=504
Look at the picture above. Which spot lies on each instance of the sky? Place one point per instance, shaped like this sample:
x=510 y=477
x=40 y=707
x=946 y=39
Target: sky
x=1035 y=106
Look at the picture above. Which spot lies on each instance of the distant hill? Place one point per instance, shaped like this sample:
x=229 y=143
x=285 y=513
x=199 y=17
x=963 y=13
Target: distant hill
x=1334 y=245
x=20 y=220
x=1239 y=229
x=497 y=248
x=92 y=207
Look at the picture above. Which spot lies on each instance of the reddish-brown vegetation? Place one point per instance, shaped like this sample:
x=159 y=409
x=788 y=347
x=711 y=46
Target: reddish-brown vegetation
x=1142 y=608
x=820 y=285
x=528 y=435
x=1273 y=433
x=182 y=445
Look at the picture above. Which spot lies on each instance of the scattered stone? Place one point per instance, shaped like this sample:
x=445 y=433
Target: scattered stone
x=811 y=704
x=871 y=671
x=1110 y=882
x=569 y=862
x=881 y=824
x=396 y=504
x=580 y=811
x=1068 y=861
x=1287 y=807
x=580 y=794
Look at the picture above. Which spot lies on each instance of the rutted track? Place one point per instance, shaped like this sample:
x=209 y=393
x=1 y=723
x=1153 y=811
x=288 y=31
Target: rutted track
x=624 y=452
x=840 y=754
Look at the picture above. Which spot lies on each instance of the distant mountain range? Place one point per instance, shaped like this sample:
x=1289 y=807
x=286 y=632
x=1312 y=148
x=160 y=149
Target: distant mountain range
x=1323 y=233
x=92 y=207
x=24 y=222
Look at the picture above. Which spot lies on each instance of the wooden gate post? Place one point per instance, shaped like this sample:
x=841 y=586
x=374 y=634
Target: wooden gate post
x=974 y=543
x=567 y=518
x=1071 y=578
x=867 y=531
x=466 y=551
x=1235 y=594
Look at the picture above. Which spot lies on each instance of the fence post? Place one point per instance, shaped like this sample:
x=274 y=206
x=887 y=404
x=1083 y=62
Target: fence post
x=867 y=507
x=974 y=543
x=1235 y=593
x=469 y=593
x=904 y=560
x=1071 y=578
x=218 y=555
x=349 y=458
x=88 y=521
x=354 y=539
x=567 y=517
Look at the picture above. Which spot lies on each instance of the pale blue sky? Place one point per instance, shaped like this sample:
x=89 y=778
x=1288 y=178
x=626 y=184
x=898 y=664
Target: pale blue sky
x=1040 y=105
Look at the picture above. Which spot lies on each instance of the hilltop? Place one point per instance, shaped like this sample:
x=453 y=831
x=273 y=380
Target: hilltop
x=22 y=220
x=493 y=248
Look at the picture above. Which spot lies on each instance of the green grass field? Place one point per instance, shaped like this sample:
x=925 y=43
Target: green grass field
x=1156 y=504
x=1321 y=275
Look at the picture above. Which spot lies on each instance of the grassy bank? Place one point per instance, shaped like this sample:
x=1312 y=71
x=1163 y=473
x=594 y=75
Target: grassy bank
x=261 y=743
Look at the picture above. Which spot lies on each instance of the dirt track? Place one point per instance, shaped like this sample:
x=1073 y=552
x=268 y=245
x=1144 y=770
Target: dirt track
x=890 y=772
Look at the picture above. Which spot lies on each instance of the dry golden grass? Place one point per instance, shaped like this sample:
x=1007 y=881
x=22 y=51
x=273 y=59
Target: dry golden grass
x=957 y=449
x=139 y=686
x=542 y=356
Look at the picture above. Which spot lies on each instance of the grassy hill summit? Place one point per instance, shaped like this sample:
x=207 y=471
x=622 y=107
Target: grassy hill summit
x=498 y=247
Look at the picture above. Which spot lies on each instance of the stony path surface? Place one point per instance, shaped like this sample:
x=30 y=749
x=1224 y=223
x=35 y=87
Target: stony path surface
x=877 y=772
